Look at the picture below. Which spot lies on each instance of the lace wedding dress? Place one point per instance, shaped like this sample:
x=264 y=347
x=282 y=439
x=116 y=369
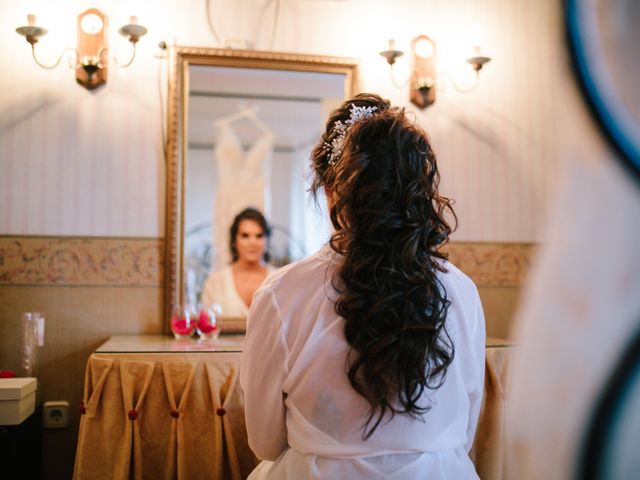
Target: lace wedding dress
x=243 y=181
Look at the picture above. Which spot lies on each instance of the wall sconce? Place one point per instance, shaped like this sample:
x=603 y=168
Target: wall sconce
x=92 y=59
x=423 y=77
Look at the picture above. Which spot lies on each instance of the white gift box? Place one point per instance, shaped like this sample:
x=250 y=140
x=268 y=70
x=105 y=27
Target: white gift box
x=17 y=399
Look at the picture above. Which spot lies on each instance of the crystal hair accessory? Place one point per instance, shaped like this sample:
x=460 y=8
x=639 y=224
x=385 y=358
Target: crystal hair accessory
x=340 y=128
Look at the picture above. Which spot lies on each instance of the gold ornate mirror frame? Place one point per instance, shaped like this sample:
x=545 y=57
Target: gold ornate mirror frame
x=180 y=59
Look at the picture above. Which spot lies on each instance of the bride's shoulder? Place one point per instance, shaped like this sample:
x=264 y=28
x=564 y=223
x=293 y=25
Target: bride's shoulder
x=295 y=273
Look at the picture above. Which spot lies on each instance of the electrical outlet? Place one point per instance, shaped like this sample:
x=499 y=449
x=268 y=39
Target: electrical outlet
x=55 y=414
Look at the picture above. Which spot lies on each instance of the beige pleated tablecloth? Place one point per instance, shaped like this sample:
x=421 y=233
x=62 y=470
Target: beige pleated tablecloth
x=492 y=453
x=157 y=408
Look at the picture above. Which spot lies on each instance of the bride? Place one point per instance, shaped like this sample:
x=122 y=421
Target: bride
x=232 y=287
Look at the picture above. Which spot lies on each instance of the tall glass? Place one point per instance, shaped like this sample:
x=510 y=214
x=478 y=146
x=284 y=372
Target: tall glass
x=32 y=339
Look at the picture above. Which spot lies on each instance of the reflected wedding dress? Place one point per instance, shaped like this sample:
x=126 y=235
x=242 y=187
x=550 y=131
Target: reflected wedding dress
x=220 y=288
x=243 y=181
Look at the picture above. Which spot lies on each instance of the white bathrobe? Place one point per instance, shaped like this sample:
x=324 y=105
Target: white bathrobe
x=304 y=417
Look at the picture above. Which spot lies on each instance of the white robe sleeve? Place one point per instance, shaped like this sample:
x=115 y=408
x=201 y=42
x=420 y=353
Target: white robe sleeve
x=476 y=370
x=262 y=374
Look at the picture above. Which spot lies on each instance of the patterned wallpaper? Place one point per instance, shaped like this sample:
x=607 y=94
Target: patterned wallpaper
x=67 y=261
x=95 y=261
x=493 y=264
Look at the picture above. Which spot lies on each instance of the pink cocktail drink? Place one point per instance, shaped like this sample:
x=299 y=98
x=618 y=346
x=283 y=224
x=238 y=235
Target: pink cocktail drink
x=207 y=324
x=182 y=323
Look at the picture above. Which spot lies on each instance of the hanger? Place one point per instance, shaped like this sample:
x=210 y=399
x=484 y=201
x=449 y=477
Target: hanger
x=248 y=112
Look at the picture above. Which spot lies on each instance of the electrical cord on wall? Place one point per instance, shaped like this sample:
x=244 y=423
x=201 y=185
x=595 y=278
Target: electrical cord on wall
x=274 y=29
x=218 y=38
x=212 y=28
x=163 y=119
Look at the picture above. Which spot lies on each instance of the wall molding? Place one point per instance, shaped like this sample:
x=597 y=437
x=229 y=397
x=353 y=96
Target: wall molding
x=81 y=261
x=134 y=261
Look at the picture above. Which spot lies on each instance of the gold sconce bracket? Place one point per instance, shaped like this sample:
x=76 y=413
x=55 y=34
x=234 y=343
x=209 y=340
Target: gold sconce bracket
x=92 y=49
x=423 y=58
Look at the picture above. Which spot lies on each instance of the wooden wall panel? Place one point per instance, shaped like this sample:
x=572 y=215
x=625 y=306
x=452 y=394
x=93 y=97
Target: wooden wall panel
x=500 y=305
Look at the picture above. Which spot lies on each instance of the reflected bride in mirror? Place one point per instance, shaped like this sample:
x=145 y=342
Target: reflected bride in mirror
x=241 y=126
x=232 y=286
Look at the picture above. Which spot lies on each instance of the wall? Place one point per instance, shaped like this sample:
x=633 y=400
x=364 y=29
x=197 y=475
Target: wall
x=88 y=289
x=90 y=163
x=79 y=166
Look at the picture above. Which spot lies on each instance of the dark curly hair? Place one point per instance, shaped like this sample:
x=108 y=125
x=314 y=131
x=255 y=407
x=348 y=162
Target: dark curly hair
x=254 y=215
x=389 y=222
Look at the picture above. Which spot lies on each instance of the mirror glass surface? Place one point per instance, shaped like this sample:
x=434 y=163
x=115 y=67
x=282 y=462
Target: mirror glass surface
x=245 y=127
x=603 y=42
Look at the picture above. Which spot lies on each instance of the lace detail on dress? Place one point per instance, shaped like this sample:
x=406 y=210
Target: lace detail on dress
x=243 y=181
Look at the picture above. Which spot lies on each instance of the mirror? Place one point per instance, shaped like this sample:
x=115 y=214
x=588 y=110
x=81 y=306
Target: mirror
x=241 y=126
x=602 y=45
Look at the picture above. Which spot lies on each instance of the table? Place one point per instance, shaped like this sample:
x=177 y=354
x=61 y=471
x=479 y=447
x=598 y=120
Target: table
x=154 y=407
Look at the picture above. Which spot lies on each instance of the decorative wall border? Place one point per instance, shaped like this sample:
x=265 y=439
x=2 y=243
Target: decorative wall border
x=496 y=264
x=126 y=261
x=81 y=261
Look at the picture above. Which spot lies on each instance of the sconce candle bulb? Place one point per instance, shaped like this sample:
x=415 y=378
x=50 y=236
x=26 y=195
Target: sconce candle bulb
x=477 y=59
x=31 y=31
x=90 y=60
x=391 y=53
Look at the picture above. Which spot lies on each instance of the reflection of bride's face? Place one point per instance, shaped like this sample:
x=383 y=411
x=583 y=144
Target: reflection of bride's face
x=251 y=241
